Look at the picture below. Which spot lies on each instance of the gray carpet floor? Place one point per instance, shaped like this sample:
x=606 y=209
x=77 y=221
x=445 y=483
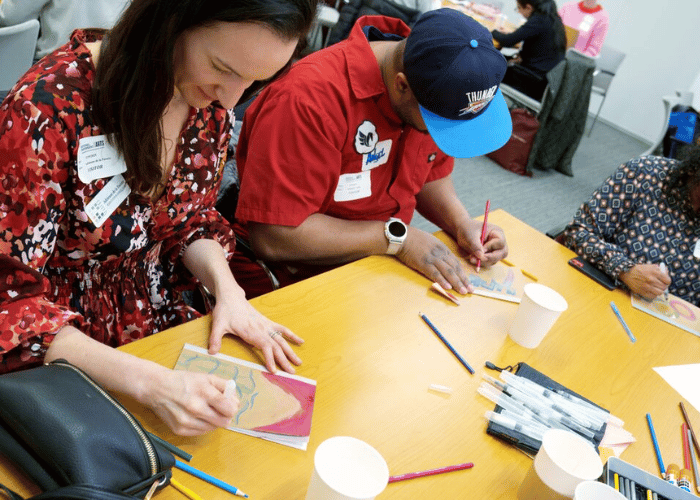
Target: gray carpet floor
x=548 y=199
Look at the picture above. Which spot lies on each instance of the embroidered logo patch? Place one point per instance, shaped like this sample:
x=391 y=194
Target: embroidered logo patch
x=378 y=156
x=478 y=100
x=366 y=137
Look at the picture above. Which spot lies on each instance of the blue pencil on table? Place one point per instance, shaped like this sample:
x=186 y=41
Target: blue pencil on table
x=210 y=479
x=622 y=321
x=444 y=341
x=656 y=446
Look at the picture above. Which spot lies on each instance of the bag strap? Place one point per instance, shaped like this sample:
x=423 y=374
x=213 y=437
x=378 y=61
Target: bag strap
x=73 y=492
x=7 y=492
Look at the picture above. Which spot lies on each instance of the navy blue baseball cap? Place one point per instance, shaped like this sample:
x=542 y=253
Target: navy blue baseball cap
x=454 y=71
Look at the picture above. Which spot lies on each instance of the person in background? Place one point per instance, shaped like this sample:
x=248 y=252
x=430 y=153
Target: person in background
x=646 y=213
x=58 y=18
x=590 y=20
x=335 y=156
x=110 y=162
x=543 y=41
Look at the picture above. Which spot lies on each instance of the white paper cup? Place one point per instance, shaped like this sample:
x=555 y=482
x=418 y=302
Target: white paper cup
x=539 y=309
x=594 y=490
x=564 y=461
x=346 y=468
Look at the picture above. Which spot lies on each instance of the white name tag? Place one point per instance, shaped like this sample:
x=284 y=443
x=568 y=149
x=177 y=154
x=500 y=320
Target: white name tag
x=353 y=187
x=586 y=23
x=696 y=250
x=378 y=156
x=107 y=200
x=98 y=159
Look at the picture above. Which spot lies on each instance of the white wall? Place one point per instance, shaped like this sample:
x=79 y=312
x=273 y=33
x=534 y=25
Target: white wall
x=660 y=40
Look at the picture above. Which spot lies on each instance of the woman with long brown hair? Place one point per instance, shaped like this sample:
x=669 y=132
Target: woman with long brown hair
x=111 y=151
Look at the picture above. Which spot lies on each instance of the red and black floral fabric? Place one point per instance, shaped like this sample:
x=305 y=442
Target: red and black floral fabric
x=118 y=282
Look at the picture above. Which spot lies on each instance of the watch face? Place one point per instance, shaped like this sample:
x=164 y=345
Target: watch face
x=397 y=229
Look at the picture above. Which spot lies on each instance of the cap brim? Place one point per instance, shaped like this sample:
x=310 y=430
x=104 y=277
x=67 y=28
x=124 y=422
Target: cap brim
x=468 y=138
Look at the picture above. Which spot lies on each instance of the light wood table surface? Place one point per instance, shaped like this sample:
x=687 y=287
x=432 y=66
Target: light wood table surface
x=374 y=360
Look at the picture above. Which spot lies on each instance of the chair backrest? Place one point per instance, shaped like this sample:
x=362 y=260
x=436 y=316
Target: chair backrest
x=17 y=46
x=609 y=61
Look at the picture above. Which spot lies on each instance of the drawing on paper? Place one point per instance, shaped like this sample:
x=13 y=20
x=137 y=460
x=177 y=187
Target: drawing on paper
x=677 y=311
x=277 y=407
x=500 y=279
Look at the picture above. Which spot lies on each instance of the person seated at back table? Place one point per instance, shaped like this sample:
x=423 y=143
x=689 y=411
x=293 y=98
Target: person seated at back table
x=543 y=46
x=335 y=157
x=647 y=212
x=590 y=20
x=111 y=151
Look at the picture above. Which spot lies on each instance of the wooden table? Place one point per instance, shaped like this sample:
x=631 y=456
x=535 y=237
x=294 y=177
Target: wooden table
x=374 y=360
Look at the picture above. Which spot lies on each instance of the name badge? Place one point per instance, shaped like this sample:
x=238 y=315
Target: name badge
x=586 y=23
x=98 y=159
x=107 y=200
x=378 y=156
x=353 y=187
x=696 y=250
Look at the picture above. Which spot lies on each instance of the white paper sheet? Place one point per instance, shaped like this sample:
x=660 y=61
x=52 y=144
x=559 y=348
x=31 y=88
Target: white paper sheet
x=684 y=379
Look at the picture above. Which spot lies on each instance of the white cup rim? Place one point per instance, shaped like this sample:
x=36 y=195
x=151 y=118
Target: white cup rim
x=545 y=297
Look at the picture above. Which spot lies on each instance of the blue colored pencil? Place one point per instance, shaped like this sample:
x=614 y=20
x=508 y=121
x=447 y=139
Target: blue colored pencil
x=656 y=446
x=444 y=341
x=210 y=479
x=622 y=321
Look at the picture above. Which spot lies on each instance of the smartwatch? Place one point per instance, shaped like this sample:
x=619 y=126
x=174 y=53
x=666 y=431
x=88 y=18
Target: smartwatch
x=395 y=231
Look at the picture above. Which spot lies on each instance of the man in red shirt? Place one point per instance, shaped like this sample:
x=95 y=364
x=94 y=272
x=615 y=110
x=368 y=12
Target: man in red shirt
x=334 y=157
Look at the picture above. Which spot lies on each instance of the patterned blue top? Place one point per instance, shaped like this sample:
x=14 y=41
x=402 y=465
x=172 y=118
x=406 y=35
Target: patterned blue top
x=634 y=218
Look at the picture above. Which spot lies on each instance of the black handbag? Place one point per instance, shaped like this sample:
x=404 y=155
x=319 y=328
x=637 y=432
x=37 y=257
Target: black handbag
x=74 y=440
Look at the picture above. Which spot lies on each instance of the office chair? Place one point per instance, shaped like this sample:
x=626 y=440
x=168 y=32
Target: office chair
x=326 y=18
x=533 y=104
x=17 y=46
x=607 y=64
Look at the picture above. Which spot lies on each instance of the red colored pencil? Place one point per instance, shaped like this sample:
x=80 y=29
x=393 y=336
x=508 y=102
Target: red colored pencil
x=690 y=427
x=441 y=470
x=686 y=446
x=483 y=231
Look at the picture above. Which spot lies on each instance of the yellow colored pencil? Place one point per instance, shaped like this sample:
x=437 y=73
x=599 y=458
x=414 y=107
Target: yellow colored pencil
x=617 y=481
x=531 y=276
x=185 y=490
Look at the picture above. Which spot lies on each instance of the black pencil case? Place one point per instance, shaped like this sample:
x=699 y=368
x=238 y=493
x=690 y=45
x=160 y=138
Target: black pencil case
x=527 y=443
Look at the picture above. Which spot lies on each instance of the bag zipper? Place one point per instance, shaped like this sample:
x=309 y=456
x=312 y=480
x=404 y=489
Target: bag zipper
x=150 y=450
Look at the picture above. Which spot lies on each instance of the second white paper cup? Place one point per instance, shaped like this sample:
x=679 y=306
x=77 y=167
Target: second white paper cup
x=346 y=468
x=594 y=490
x=539 y=309
x=563 y=461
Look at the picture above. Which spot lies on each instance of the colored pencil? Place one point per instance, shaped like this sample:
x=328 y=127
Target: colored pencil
x=184 y=490
x=690 y=427
x=444 y=341
x=695 y=467
x=441 y=470
x=686 y=446
x=170 y=447
x=622 y=322
x=210 y=479
x=659 y=460
x=616 y=479
x=483 y=231
x=440 y=290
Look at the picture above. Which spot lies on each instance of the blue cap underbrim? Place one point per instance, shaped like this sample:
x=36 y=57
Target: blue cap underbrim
x=469 y=138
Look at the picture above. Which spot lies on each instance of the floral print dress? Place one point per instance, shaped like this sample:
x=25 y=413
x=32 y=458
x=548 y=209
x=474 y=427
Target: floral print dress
x=117 y=282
